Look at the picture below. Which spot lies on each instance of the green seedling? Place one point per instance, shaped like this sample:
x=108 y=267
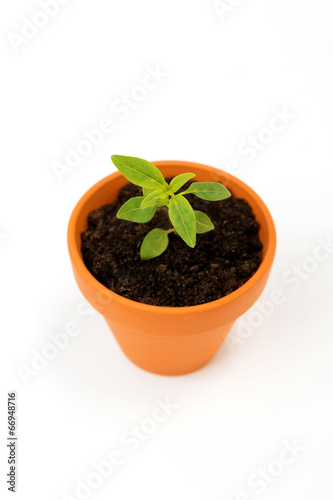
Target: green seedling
x=156 y=192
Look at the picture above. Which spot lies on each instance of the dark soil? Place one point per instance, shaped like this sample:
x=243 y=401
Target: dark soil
x=222 y=260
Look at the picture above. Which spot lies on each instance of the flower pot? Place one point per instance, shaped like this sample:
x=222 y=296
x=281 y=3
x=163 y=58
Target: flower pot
x=170 y=340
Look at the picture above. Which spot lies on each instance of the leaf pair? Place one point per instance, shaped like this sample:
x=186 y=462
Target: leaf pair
x=156 y=197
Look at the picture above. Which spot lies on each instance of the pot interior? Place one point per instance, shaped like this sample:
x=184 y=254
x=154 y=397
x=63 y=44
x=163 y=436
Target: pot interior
x=105 y=192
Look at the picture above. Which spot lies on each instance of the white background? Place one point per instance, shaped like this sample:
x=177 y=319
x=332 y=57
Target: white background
x=225 y=76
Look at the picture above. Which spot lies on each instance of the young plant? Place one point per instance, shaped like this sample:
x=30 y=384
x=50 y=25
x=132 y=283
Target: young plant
x=156 y=192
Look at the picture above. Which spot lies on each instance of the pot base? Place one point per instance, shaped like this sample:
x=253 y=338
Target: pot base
x=169 y=355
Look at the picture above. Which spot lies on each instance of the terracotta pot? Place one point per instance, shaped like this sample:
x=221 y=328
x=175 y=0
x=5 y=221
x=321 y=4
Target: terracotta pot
x=170 y=340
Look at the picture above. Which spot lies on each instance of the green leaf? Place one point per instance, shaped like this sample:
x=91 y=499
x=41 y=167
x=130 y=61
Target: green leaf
x=203 y=222
x=183 y=219
x=131 y=210
x=179 y=181
x=212 y=191
x=154 y=198
x=146 y=191
x=154 y=244
x=139 y=172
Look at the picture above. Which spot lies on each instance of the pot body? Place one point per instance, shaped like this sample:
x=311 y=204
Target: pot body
x=170 y=340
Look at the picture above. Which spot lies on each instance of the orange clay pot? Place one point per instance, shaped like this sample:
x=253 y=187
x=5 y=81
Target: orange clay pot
x=170 y=340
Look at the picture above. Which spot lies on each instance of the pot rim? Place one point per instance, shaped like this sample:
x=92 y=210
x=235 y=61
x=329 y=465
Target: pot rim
x=76 y=255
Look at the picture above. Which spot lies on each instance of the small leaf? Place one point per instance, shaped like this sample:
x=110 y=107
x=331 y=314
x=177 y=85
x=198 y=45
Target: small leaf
x=146 y=191
x=211 y=191
x=154 y=198
x=179 y=181
x=139 y=172
x=154 y=244
x=203 y=222
x=131 y=210
x=183 y=219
